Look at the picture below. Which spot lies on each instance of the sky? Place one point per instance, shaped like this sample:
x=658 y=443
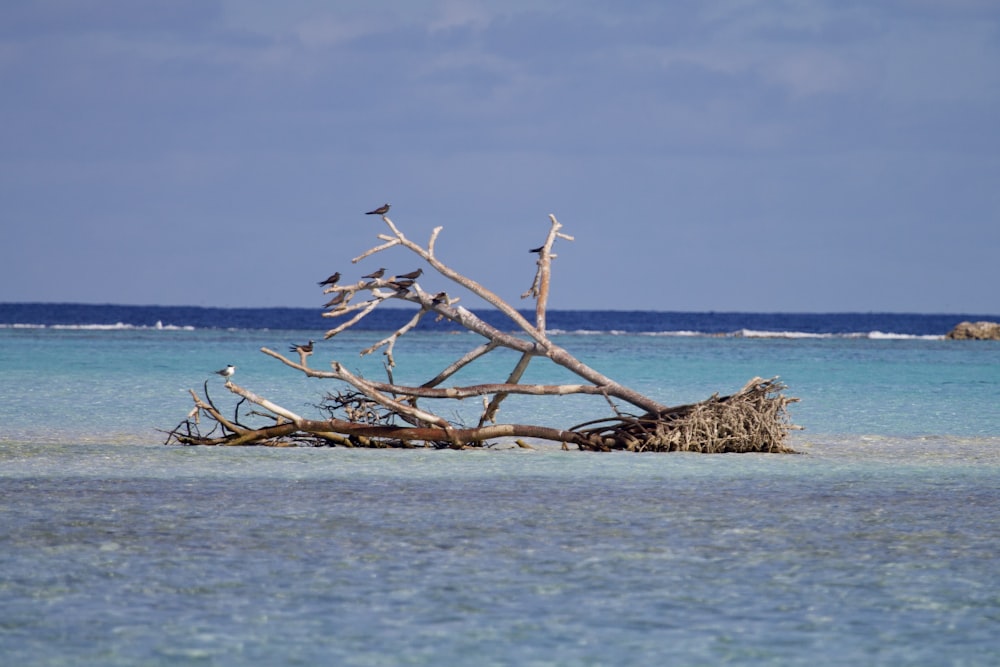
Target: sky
x=726 y=155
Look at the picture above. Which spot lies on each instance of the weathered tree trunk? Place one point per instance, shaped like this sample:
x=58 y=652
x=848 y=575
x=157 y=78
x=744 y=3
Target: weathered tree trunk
x=387 y=414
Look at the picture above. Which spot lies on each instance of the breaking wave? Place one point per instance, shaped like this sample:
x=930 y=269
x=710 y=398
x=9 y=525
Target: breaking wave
x=118 y=326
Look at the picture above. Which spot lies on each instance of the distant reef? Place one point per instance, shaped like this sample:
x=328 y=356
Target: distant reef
x=975 y=331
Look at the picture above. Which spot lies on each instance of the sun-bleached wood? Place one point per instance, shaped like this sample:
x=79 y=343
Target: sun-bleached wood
x=385 y=413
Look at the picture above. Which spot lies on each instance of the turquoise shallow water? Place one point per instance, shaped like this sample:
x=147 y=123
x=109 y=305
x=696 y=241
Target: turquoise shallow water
x=95 y=386
x=876 y=545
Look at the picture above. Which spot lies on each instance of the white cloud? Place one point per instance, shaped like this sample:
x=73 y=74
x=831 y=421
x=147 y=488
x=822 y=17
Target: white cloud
x=330 y=30
x=460 y=14
x=811 y=73
x=955 y=61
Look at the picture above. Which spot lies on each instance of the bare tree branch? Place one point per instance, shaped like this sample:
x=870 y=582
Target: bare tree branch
x=753 y=419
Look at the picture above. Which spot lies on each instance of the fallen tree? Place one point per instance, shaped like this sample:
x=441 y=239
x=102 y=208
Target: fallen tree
x=372 y=413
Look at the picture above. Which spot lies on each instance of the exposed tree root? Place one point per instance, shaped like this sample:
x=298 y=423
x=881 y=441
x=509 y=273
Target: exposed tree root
x=754 y=419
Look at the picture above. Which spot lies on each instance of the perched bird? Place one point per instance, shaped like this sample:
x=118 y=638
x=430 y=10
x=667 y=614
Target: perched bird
x=381 y=210
x=538 y=249
x=400 y=284
x=440 y=297
x=227 y=372
x=412 y=275
x=335 y=301
x=302 y=349
x=332 y=280
x=375 y=275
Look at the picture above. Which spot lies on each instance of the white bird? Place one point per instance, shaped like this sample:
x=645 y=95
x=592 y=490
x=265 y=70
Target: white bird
x=227 y=372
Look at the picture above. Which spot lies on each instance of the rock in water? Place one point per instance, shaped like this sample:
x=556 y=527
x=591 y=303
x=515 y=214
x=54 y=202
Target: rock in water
x=975 y=331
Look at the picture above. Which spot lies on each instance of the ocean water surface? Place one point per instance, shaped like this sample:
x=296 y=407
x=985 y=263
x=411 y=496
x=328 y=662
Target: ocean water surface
x=875 y=545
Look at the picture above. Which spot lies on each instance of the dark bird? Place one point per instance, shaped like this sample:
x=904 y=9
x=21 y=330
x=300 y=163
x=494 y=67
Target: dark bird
x=332 y=280
x=400 y=284
x=302 y=349
x=538 y=249
x=375 y=275
x=440 y=297
x=412 y=275
x=335 y=301
x=227 y=372
x=381 y=210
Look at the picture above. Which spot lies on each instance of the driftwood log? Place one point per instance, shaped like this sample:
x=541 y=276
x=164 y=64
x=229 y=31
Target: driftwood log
x=372 y=413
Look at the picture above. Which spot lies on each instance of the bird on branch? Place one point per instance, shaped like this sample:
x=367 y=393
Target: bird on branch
x=302 y=349
x=538 y=249
x=381 y=210
x=412 y=275
x=400 y=284
x=227 y=372
x=332 y=280
x=439 y=298
x=335 y=301
x=375 y=275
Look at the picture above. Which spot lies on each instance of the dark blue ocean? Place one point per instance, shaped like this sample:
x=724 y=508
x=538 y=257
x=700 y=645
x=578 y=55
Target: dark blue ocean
x=875 y=545
x=308 y=319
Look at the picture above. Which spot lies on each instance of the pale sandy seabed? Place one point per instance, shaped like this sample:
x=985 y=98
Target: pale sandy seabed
x=941 y=448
